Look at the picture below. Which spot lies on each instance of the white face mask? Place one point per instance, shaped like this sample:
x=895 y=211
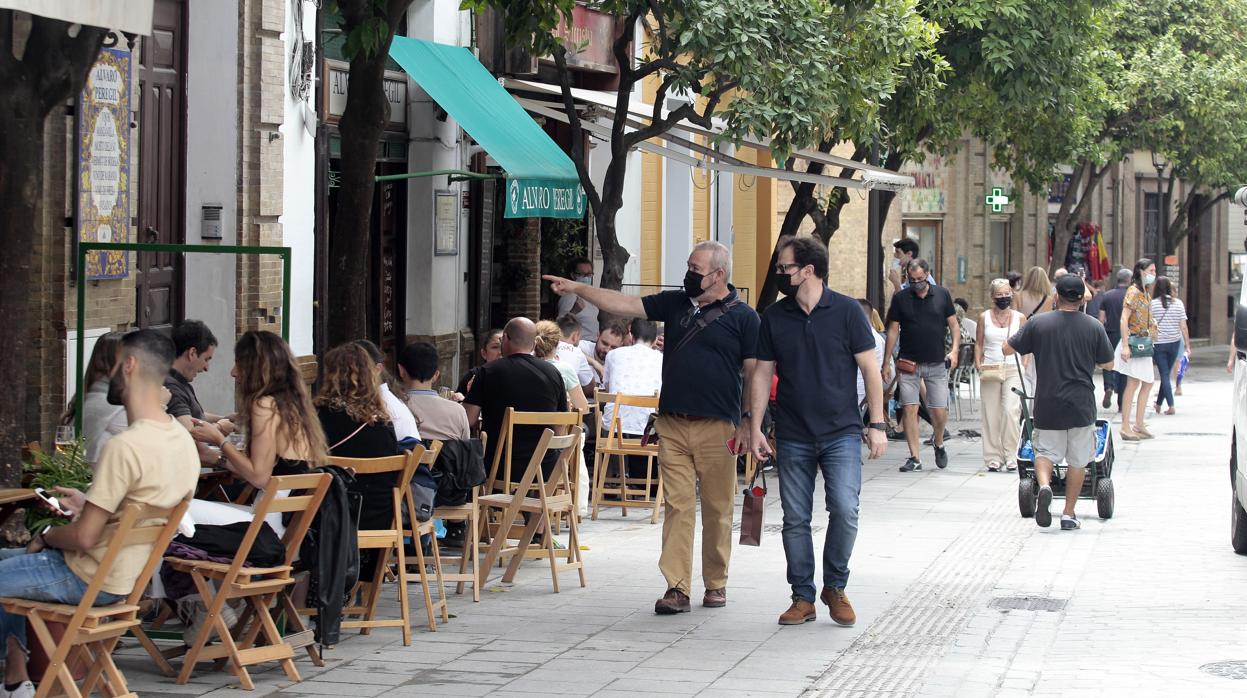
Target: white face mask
x=585 y=279
x=896 y=264
x=1149 y=279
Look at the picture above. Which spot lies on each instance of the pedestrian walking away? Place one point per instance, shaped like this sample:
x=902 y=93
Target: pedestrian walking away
x=998 y=378
x=710 y=338
x=1067 y=346
x=1173 y=339
x=819 y=342
x=1138 y=326
x=1110 y=316
x=918 y=318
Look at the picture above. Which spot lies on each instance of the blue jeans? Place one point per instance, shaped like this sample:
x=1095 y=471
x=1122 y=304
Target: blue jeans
x=840 y=462
x=1165 y=356
x=43 y=576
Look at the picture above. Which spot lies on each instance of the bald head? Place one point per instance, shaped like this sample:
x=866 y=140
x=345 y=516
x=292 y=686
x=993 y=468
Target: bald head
x=519 y=336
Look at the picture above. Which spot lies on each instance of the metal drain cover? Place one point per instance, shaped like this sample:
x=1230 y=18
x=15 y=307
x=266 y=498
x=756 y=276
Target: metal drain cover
x=1226 y=670
x=1027 y=603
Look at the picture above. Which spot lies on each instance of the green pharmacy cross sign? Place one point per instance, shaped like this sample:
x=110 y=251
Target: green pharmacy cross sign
x=997 y=199
x=527 y=198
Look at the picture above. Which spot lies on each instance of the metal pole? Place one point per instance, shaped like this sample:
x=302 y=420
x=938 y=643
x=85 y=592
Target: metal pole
x=80 y=349
x=874 y=240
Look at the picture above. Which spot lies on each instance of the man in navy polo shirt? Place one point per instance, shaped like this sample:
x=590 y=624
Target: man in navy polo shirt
x=710 y=339
x=818 y=341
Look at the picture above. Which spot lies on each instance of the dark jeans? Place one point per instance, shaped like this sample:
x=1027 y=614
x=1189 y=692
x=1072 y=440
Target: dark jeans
x=840 y=462
x=1165 y=356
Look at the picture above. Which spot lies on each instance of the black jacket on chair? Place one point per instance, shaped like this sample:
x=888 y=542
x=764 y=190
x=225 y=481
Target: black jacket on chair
x=330 y=552
x=460 y=467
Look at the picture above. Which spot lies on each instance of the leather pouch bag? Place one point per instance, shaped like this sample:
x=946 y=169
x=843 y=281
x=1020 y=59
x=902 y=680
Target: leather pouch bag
x=906 y=365
x=751 y=513
x=994 y=373
x=1140 y=347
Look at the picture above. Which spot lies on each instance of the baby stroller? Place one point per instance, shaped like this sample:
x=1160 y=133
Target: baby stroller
x=1098 y=484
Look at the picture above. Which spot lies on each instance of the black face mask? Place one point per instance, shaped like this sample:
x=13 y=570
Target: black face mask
x=692 y=284
x=786 y=286
x=1004 y=302
x=116 y=388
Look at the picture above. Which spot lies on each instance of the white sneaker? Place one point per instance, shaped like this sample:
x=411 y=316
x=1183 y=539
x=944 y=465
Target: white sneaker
x=24 y=690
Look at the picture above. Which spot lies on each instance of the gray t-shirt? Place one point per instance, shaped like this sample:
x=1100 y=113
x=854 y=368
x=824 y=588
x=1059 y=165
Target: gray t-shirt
x=1067 y=346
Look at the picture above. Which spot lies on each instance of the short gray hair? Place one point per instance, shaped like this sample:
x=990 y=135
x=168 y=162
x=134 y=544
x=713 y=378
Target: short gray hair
x=999 y=285
x=720 y=256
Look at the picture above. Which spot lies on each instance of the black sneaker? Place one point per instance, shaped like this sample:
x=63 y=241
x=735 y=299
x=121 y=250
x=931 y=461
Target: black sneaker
x=1042 y=516
x=911 y=464
x=894 y=435
x=1070 y=523
x=941 y=457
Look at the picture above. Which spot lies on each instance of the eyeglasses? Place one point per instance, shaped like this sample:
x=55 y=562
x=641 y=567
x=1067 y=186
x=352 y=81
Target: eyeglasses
x=783 y=268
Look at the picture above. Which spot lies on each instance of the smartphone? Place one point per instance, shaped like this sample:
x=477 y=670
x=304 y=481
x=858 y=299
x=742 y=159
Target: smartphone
x=51 y=501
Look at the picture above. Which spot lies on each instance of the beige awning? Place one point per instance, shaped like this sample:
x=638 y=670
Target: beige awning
x=871 y=176
x=134 y=16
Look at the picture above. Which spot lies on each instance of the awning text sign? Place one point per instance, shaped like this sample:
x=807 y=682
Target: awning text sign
x=543 y=198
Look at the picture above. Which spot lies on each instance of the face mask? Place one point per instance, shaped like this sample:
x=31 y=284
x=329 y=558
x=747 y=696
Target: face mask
x=896 y=264
x=116 y=388
x=918 y=286
x=584 y=279
x=1004 y=302
x=692 y=284
x=786 y=286
x=1149 y=279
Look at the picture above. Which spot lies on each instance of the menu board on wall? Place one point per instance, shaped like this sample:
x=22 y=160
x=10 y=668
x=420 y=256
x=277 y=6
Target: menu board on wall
x=103 y=172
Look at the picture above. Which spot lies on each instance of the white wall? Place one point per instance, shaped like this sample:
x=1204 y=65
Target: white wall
x=628 y=220
x=212 y=178
x=436 y=290
x=298 y=219
x=677 y=214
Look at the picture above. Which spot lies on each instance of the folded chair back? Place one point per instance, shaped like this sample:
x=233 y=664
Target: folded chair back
x=614 y=434
x=401 y=466
x=503 y=454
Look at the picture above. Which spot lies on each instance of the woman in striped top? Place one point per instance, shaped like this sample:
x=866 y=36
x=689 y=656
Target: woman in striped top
x=1172 y=338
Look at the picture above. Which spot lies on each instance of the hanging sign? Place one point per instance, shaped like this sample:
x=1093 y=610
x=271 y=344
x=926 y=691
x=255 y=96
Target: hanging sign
x=997 y=200
x=544 y=198
x=104 y=162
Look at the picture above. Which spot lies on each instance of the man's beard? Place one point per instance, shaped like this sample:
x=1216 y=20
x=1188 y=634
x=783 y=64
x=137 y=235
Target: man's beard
x=116 y=389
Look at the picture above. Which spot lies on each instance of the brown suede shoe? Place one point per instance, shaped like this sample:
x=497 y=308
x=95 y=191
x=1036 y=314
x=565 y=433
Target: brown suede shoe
x=841 y=610
x=674 y=601
x=801 y=611
x=715 y=598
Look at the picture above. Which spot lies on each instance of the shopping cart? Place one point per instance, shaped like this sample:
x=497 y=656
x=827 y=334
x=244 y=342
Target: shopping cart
x=1098 y=484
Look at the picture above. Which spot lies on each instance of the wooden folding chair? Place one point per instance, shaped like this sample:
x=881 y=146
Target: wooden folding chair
x=503 y=481
x=415 y=530
x=91 y=632
x=633 y=492
x=219 y=583
x=470 y=514
x=387 y=541
x=554 y=497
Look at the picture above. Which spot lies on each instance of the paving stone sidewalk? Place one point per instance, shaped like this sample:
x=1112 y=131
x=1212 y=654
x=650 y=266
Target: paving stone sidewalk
x=1142 y=601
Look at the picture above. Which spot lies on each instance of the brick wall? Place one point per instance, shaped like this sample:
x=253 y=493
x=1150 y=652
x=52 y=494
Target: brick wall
x=449 y=346
x=524 y=254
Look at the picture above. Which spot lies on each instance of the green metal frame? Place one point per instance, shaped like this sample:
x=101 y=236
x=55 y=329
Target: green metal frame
x=453 y=175
x=236 y=250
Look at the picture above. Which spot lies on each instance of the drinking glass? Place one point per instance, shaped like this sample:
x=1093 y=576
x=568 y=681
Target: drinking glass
x=64 y=438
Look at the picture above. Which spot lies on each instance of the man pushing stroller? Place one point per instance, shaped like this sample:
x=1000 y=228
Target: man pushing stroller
x=1067 y=346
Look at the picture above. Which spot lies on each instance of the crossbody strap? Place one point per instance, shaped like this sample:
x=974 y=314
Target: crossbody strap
x=703 y=320
x=350 y=436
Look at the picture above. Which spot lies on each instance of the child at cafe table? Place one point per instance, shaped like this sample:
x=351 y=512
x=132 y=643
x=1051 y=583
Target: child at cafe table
x=153 y=462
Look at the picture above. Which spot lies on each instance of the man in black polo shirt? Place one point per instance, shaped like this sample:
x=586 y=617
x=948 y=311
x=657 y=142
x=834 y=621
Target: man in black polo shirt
x=818 y=341
x=919 y=316
x=1109 y=313
x=710 y=338
x=518 y=380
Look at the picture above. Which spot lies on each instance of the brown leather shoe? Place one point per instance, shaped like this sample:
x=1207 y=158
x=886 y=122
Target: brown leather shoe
x=674 y=601
x=841 y=610
x=715 y=598
x=801 y=611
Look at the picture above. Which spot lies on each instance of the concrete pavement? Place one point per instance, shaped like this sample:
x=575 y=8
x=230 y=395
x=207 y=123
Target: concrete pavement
x=943 y=571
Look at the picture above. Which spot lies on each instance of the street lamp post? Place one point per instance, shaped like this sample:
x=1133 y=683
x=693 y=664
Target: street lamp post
x=1158 y=161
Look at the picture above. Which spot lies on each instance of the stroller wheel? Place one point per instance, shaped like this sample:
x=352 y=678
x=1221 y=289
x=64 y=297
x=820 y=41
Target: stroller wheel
x=1104 y=497
x=1026 y=497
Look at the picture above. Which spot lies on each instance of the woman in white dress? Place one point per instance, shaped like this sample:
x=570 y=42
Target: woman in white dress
x=998 y=378
x=1136 y=321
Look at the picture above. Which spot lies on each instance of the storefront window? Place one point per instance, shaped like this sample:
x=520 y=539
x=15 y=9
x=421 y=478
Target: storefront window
x=998 y=250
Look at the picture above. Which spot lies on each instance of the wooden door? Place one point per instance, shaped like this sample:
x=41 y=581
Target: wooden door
x=162 y=149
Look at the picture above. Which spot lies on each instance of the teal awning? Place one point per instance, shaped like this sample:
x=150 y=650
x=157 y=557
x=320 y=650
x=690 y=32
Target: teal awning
x=542 y=180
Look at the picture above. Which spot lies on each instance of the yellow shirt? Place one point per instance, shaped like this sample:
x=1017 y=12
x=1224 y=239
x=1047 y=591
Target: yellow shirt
x=152 y=463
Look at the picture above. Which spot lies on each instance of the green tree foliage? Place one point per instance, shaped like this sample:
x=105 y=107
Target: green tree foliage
x=785 y=69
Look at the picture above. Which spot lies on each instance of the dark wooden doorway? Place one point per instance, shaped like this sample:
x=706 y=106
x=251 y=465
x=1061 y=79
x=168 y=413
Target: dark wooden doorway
x=162 y=168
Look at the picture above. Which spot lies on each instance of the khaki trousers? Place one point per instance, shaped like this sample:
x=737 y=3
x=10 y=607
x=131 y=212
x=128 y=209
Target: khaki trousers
x=1001 y=411
x=692 y=452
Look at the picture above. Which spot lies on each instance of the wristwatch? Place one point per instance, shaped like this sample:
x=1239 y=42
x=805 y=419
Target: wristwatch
x=880 y=426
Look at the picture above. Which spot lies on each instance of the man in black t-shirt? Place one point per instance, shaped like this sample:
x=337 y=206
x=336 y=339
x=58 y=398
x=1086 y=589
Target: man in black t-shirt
x=1109 y=312
x=518 y=380
x=919 y=318
x=698 y=412
x=1067 y=346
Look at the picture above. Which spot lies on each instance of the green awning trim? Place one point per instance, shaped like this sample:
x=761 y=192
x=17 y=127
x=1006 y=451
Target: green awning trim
x=543 y=179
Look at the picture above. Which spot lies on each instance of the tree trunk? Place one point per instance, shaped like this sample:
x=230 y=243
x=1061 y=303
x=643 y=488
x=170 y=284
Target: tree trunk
x=21 y=193
x=614 y=256
x=363 y=122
